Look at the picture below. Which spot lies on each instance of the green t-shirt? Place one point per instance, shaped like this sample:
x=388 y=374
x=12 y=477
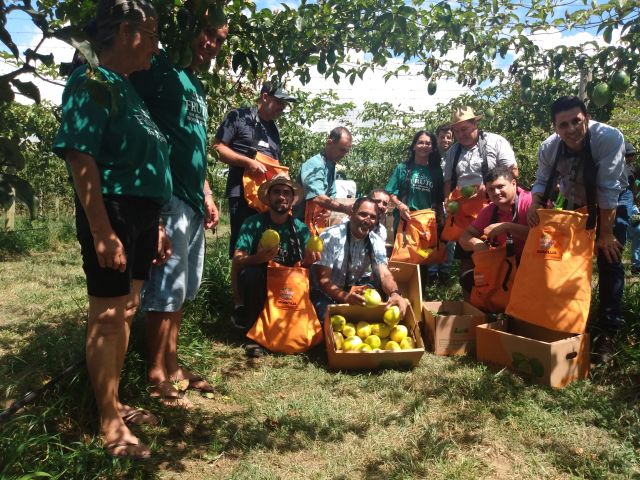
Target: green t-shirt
x=131 y=153
x=421 y=188
x=253 y=227
x=177 y=102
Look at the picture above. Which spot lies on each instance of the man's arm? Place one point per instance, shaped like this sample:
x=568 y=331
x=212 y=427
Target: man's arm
x=330 y=204
x=235 y=159
x=516 y=230
x=211 y=215
x=335 y=292
x=470 y=240
x=607 y=243
x=390 y=287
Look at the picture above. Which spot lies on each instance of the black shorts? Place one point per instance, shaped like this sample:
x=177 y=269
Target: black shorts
x=135 y=222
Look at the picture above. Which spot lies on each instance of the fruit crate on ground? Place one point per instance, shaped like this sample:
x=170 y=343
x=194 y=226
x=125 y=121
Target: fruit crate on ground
x=401 y=359
x=407 y=276
x=541 y=355
x=449 y=327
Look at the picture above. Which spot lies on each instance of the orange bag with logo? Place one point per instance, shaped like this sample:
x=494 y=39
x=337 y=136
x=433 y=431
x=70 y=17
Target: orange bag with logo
x=553 y=285
x=288 y=323
x=417 y=240
x=493 y=276
x=466 y=212
x=251 y=183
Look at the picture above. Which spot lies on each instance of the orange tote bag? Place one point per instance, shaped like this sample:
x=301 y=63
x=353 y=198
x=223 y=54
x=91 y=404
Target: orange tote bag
x=553 y=285
x=417 y=240
x=288 y=323
x=468 y=210
x=251 y=183
x=493 y=276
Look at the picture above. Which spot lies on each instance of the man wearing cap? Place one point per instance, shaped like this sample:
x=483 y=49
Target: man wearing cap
x=249 y=265
x=318 y=174
x=350 y=248
x=587 y=157
x=242 y=133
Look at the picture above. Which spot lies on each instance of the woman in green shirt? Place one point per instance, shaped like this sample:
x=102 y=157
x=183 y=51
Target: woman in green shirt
x=417 y=183
x=118 y=159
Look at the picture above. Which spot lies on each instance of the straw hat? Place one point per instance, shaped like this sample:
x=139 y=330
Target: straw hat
x=463 y=114
x=279 y=179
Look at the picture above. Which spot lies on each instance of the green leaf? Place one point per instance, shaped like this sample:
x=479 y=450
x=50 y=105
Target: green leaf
x=29 y=476
x=5 y=37
x=45 y=59
x=23 y=191
x=10 y=154
x=28 y=89
x=78 y=39
x=238 y=59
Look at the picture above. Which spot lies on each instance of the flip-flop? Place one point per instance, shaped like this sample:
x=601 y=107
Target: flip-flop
x=199 y=384
x=136 y=451
x=168 y=395
x=140 y=416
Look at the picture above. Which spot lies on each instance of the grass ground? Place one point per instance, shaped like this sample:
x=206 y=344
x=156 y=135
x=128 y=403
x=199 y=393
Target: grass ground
x=288 y=416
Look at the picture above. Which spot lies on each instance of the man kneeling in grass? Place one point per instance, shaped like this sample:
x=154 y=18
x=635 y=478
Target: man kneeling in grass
x=505 y=216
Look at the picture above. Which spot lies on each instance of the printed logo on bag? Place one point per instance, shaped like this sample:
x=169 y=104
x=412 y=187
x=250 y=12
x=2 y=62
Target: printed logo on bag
x=285 y=298
x=551 y=244
x=479 y=279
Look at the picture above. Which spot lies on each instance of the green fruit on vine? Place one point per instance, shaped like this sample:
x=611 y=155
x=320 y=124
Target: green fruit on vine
x=489 y=113
x=601 y=94
x=620 y=82
x=606 y=35
x=431 y=88
x=558 y=59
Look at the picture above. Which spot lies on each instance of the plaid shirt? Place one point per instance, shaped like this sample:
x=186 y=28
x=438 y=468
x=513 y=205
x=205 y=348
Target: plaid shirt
x=333 y=254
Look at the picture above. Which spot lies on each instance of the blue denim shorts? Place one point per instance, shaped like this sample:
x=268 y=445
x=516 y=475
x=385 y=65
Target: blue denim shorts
x=179 y=279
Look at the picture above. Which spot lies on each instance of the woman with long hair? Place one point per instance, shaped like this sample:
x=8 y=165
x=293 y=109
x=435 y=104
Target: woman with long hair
x=118 y=159
x=417 y=183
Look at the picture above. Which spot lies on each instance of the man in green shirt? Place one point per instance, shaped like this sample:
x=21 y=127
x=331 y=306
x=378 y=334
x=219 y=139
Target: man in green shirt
x=251 y=256
x=177 y=102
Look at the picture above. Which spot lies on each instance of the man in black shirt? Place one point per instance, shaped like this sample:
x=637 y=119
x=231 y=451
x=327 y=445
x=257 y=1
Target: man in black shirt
x=244 y=132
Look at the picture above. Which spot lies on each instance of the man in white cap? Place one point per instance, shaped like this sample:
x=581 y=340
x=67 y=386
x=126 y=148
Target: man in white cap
x=250 y=259
x=244 y=132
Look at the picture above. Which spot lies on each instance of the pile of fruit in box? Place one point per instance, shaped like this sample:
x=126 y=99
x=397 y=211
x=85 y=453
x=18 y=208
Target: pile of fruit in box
x=389 y=334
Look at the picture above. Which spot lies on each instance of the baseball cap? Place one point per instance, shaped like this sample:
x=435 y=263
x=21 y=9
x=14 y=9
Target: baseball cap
x=275 y=90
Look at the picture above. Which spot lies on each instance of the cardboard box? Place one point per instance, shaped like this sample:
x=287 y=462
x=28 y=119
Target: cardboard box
x=542 y=355
x=452 y=331
x=402 y=359
x=407 y=276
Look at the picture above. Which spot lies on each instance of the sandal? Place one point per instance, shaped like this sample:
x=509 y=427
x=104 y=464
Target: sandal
x=140 y=416
x=199 y=384
x=135 y=451
x=169 y=395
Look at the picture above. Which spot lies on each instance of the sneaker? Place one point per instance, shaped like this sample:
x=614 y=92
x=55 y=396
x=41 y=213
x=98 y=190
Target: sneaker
x=253 y=350
x=238 y=318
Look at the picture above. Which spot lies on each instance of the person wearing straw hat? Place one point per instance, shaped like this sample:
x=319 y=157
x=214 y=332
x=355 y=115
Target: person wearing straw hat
x=249 y=265
x=475 y=152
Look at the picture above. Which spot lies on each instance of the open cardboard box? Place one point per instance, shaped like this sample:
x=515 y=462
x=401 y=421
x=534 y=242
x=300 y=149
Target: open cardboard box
x=402 y=359
x=451 y=330
x=545 y=356
x=407 y=276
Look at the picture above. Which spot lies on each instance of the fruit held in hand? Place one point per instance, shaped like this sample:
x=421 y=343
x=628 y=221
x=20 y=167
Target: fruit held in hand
x=391 y=316
x=351 y=343
x=315 y=244
x=453 y=207
x=338 y=322
x=349 y=330
x=467 y=192
x=363 y=329
x=270 y=239
x=398 y=333
x=371 y=297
